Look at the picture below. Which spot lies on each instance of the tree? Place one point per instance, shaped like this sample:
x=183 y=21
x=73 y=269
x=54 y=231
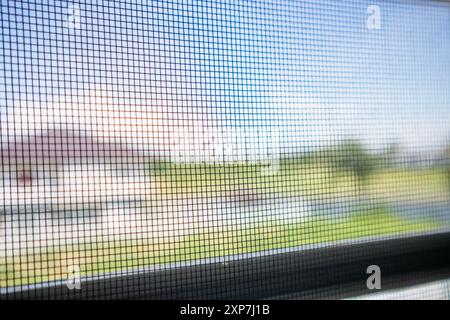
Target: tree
x=351 y=156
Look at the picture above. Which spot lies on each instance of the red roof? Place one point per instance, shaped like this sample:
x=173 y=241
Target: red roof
x=59 y=146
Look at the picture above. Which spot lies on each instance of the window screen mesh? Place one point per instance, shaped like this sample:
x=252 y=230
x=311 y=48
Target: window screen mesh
x=139 y=136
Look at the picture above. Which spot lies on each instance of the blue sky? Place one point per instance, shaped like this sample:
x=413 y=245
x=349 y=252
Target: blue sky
x=310 y=68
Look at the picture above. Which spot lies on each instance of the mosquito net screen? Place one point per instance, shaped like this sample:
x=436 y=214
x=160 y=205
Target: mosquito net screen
x=140 y=136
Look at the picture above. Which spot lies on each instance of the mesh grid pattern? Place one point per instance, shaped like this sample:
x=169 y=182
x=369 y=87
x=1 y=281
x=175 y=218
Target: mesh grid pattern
x=144 y=136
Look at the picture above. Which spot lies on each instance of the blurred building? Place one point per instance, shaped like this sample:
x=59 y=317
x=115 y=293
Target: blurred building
x=62 y=170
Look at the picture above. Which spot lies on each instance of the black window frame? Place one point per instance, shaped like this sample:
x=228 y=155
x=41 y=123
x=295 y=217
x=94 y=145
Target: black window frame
x=299 y=270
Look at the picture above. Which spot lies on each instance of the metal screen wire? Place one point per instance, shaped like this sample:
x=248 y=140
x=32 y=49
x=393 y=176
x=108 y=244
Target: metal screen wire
x=149 y=135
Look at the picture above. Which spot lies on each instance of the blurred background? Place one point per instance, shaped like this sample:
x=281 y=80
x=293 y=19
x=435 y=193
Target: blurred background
x=145 y=133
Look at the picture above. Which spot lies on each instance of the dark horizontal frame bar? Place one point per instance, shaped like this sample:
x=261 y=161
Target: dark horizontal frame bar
x=392 y=282
x=265 y=276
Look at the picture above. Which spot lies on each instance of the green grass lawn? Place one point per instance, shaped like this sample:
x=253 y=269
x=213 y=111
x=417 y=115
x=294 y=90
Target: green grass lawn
x=308 y=180
x=102 y=257
x=295 y=178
